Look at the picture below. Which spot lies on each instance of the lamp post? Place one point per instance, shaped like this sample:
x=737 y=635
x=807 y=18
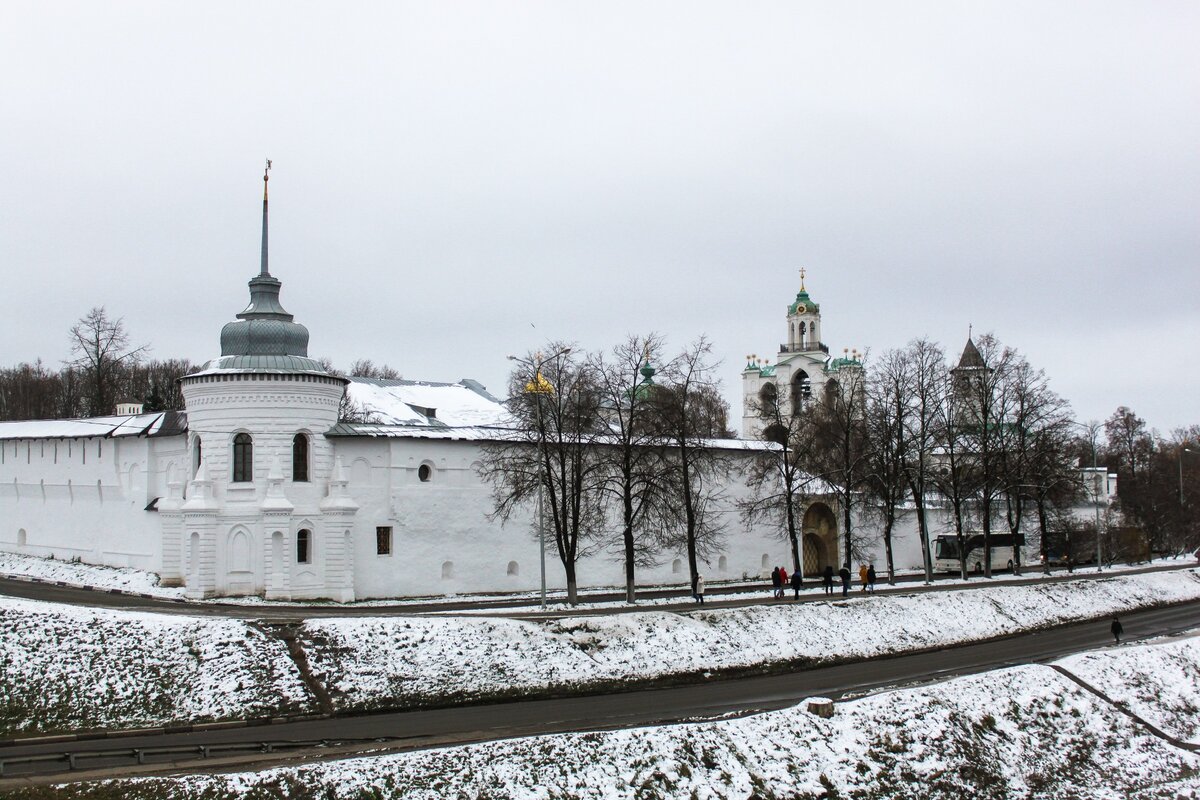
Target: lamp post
x=535 y=386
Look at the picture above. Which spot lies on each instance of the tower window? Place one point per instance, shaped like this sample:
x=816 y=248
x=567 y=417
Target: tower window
x=300 y=458
x=243 y=458
x=425 y=472
x=197 y=456
x=304 y=546
x=383 y=540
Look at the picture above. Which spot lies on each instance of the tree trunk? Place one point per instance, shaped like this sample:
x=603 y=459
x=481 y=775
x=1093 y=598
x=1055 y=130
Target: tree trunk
x=630 y=551
x=1041 y=512
x=923 y=529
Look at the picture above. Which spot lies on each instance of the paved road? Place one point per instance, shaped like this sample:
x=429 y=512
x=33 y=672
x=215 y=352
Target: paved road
x=438 y=727
x=720 y=597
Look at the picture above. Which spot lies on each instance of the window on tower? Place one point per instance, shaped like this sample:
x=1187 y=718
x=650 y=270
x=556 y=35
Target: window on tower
x=300 y=458
x=801 y=388
x=243 y=458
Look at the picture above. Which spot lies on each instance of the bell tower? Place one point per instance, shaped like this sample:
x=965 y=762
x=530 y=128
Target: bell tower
x=804 y=323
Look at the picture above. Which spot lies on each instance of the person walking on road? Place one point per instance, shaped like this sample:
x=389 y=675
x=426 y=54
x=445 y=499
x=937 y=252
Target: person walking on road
x=871 y=578
x=796 y=581
x=1117 y=629
x=700 y=589
x=827 y=577
x=844 y=574
x=862 y=576
x=783 y=581
x=776 y=582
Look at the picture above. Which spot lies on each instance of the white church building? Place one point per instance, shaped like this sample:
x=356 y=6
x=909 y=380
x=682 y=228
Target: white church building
x=257 y=488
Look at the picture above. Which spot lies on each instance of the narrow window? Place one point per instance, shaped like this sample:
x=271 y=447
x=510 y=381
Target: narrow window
x=197 y=457
x=723 y=563
x=447 y=570
x=304 y=546
x=677 y=566
x=243 y=458
x=766 y=561
x=424 y=472
x=514 y=568
x=383 y=540
x=300 y=458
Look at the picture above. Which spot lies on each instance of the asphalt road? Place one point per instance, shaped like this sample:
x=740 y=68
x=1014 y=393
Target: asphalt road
x=721 y=596
x=437 y=727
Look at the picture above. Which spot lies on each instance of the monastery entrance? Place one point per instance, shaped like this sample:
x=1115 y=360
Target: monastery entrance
x=820 y=539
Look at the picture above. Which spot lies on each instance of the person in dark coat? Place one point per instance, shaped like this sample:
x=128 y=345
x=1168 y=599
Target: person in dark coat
x=776 y=582
x=871 y=579
x=1117 y=630
x=844 y=574
x=828 y=577
x=796 y=581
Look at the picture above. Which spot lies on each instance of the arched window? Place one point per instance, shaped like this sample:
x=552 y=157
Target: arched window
x=723 y=563
x=243 y=458
x=801 y=388
x=300 y=458
x=424 y=473
x=22 y=537
x=197 y=456
x=766 y=561
x=768 y=396
x=447 y=570
x=304 y=546
x=677 y=566
x=514 y=568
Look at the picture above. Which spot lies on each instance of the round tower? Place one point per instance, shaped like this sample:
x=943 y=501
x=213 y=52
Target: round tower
x=256 y=518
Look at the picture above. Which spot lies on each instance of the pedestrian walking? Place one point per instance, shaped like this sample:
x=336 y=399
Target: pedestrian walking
x=783 y=581
x=871 y=578
x=775 y=582
x=844 y=574
x=862 y=576
x=700 y=589
x=1117 y=630
x=827 y=575
x=796 y=581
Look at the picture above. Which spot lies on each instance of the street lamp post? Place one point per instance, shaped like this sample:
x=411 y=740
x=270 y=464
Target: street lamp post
x=535 y=386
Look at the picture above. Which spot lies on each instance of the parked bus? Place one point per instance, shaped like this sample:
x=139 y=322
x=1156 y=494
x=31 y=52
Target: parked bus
x=946 y=554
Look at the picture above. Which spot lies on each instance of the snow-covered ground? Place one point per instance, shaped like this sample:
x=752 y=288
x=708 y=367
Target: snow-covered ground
x=69 y=668
x=75 y=573
x=1025 y=732
x=393 y=661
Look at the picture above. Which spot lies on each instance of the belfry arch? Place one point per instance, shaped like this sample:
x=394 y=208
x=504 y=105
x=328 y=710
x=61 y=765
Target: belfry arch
x=820 y=538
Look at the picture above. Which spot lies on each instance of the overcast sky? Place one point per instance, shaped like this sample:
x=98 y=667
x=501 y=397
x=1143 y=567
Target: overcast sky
x=449 y=175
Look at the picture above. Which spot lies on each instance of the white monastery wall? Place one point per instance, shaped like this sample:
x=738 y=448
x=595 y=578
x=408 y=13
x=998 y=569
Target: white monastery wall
x=85 y=497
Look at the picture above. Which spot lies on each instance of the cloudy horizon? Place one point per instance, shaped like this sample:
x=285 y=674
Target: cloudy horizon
x=456 y=182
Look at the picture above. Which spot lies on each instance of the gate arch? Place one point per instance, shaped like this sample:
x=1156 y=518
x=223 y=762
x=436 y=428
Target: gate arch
x=820 y=539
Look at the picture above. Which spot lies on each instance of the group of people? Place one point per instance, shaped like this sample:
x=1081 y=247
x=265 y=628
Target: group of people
x=780 y=582
x=866 y=575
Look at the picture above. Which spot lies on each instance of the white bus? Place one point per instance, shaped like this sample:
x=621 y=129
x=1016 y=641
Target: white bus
x=946 y=555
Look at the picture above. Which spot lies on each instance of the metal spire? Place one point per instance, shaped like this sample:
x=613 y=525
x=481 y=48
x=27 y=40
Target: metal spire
x=801 y=276
x=266 y=177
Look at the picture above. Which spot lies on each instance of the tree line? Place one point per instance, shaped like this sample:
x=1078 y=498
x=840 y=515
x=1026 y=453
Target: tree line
x=105 y=369
x=613 y=451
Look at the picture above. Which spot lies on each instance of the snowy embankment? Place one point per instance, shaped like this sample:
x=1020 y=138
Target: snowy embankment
x=1019 y=732
x=76 y=573
x=69 y=668
x=402 y=661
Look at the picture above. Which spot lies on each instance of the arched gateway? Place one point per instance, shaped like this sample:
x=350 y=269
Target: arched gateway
x=820 y=539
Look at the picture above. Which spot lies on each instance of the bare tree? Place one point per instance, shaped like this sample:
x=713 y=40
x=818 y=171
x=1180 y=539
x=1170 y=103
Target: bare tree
x=689 y=413
x=633 y=459
x=778 y=482
x=557 y=434
x=839 y=455
x=888 y=412
x=100 y=347
x=926 y=401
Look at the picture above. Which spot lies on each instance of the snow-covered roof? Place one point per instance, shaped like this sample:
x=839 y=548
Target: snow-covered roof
x=428 y=404
x=160 y=423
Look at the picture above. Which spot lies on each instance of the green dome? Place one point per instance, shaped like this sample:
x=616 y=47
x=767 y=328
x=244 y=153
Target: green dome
x=804 y=303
